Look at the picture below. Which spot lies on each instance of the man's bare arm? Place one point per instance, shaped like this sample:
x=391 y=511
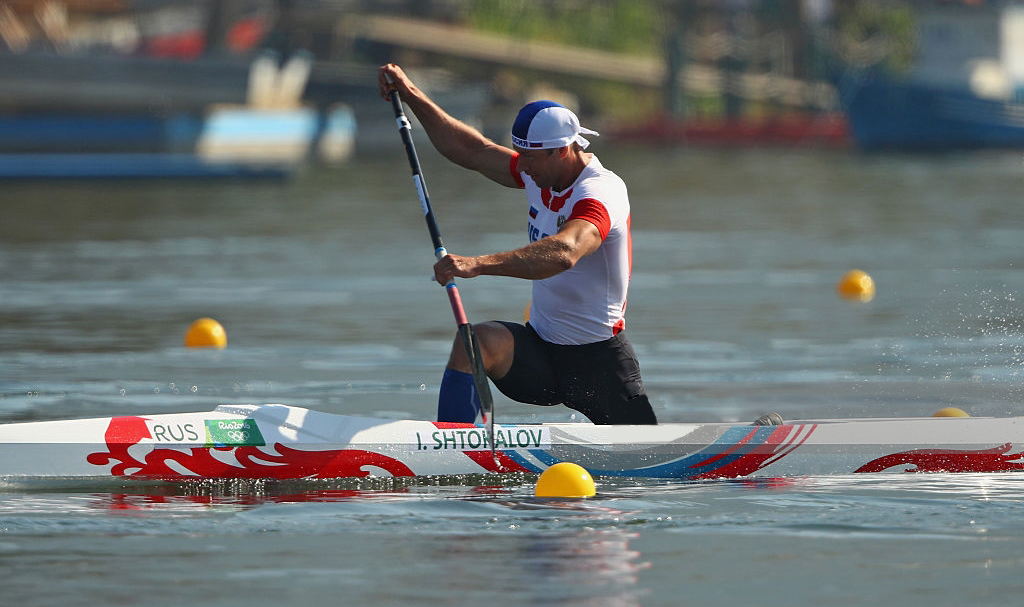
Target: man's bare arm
x=455 y=140
x=541 y=259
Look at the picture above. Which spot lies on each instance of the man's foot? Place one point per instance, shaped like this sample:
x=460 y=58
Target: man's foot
x=769 y=419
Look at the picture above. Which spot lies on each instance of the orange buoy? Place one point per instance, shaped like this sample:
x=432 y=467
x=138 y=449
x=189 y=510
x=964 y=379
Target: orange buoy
x=206 y=333
x=565 y=479
x=856 y=285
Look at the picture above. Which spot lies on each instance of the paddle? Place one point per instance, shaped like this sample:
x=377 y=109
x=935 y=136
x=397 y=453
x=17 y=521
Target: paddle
x=465 y=329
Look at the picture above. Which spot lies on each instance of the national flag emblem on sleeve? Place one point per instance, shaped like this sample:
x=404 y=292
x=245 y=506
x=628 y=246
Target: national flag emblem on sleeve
x=533 y=212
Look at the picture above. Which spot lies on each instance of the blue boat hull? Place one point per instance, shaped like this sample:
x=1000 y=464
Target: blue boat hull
x=229 y=141
x=887 y=114
x=130 y=166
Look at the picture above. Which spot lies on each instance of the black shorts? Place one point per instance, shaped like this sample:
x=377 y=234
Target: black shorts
x=600 y=380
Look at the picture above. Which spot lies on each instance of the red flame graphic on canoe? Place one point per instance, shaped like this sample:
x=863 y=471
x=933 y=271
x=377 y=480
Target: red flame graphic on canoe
x=997 y=459
x=781 y=441
x=250 y=462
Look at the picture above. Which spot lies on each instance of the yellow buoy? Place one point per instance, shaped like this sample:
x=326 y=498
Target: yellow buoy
x=206 y=333
x=856 y=285
x=950 y=412
x=565 y=479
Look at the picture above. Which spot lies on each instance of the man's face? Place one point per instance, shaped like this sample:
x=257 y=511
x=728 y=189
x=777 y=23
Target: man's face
x=542 y=166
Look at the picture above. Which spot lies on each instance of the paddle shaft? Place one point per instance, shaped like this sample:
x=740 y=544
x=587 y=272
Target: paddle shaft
x=465 y=329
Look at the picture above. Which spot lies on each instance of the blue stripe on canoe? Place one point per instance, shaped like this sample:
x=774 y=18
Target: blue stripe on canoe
x=690 y=466
x=706 y=460
x=527 y=464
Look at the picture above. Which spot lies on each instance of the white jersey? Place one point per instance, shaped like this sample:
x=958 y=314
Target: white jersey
x=586 y=303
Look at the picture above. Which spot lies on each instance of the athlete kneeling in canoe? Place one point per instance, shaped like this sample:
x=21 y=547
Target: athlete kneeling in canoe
x=573 y=350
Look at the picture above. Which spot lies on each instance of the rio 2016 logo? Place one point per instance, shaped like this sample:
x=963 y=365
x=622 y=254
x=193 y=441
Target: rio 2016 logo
x=234 y=432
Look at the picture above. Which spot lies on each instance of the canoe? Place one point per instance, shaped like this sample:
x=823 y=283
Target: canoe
x=276 y=441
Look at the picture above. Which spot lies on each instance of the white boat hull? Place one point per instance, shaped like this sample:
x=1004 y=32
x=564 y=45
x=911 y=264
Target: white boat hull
x=285 y=442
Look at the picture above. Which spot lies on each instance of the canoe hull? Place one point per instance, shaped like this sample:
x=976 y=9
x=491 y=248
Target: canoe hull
x=285 y=442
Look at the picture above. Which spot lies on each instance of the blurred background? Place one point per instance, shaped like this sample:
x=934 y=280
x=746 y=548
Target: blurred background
x=261 y=86
x=165 y=161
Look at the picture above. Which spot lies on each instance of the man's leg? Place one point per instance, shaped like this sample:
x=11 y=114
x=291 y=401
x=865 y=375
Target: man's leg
x=458 y=400
x=603 y=382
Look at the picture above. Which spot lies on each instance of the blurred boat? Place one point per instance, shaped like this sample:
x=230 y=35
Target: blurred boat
x=157 y=90
x=271 y=135
x=818 y=129
x=966 y=89
x=905 y=115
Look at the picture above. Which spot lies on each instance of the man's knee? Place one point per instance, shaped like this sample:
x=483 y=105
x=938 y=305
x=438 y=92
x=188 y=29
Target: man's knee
x=496 y=346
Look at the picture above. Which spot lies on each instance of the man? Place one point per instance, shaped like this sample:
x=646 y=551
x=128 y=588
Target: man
x=573 y=350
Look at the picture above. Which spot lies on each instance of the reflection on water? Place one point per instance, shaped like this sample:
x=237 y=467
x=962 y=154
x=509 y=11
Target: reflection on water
x=585 y=567
x=635 y=543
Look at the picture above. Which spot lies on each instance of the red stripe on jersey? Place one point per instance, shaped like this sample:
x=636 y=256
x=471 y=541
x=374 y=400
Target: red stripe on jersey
x=513 y=166
x=629 y=246
x=629 y=254
x=555 y=203
x=593 y=211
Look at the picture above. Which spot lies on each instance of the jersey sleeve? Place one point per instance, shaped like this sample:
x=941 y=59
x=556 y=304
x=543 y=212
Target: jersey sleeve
x=590 y=209
x=513 y=167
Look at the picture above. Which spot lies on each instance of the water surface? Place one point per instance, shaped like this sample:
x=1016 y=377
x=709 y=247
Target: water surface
x=323 y=286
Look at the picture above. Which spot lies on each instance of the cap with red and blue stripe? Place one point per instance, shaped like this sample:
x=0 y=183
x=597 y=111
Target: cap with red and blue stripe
x=546 y=124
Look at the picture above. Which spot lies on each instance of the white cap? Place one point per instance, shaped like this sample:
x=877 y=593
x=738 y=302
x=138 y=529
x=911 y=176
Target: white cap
x=546 y=124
